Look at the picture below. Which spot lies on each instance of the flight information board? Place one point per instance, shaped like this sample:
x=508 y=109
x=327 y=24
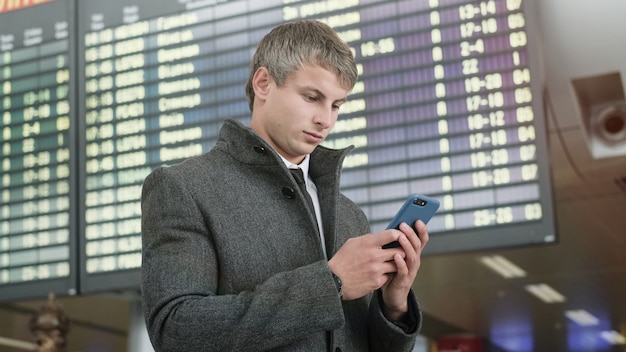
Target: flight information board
x=445 y=106
x=37 y=208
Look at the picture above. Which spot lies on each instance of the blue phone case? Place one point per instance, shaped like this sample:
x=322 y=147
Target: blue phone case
x=416 y=207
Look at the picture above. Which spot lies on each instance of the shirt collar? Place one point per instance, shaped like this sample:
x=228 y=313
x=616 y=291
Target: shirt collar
x=304 y=165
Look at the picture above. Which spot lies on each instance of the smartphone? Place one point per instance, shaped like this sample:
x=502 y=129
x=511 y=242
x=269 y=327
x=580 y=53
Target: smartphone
x=416 y=207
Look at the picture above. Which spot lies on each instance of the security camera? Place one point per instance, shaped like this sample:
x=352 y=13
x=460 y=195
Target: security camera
x=602 y=105
x=609 y=124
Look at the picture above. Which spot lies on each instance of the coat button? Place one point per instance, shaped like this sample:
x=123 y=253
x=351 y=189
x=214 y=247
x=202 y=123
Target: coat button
x=289 y=193
x=259 y=149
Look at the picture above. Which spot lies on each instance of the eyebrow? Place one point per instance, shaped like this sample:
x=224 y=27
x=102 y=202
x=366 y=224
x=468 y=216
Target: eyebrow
x=342 y=100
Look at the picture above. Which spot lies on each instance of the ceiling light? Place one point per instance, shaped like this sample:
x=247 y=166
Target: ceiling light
x=502 y=266
x=614 y=337
x=545 y=293
x=25 y=345
x=582 y=317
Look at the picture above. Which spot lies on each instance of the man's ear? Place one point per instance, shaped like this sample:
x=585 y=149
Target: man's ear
x=261 y=82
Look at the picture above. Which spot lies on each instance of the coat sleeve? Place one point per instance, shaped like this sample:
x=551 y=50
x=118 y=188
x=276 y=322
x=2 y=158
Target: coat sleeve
x=179 y=283
x=385 y=335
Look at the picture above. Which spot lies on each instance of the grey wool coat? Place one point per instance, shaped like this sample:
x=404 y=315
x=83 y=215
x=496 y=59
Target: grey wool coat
x=232 y=260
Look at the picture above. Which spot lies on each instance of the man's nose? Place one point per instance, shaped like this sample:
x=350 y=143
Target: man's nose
x=325 y=117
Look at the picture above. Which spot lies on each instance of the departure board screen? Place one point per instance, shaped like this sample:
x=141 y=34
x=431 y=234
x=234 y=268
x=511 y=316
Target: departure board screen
x=37 y=217
x=446 y=105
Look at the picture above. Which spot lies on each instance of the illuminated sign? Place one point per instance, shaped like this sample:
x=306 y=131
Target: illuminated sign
x=37 y=207
x=447 y=104
x=14 y=5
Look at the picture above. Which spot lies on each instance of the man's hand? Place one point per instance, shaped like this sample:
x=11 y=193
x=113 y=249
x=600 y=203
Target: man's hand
x=396 y=290
x=364 y=266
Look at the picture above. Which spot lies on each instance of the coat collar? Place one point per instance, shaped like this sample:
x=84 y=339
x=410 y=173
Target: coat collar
x=248 y=147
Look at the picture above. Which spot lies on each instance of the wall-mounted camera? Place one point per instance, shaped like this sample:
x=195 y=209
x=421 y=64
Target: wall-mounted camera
x=609 y=124
x=603 y=106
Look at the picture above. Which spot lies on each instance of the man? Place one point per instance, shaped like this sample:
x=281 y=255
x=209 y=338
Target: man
x=233 y=260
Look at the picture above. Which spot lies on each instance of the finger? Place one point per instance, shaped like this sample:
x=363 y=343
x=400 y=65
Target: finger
x=402 y=268
x=401 y=276
x=410 y=245
x=412 y=239
x=390 y=267
x=385 y=237
x=418 y=235
x=422 y=232
x=388 y=254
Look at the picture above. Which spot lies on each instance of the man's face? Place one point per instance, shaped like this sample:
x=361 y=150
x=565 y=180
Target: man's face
x=296 y=117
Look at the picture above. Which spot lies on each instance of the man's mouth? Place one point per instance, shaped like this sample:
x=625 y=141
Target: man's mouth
x=314 y=137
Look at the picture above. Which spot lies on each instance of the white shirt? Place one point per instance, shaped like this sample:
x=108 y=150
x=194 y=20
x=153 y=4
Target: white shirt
x=312 y=189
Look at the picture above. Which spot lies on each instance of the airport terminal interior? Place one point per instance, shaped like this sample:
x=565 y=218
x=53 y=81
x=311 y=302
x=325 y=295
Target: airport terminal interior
x=511 y=113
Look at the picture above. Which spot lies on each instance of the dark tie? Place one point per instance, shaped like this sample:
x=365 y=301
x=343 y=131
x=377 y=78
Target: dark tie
x=298 y=175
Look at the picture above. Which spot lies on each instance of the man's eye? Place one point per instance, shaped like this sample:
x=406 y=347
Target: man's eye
x=311 y=98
